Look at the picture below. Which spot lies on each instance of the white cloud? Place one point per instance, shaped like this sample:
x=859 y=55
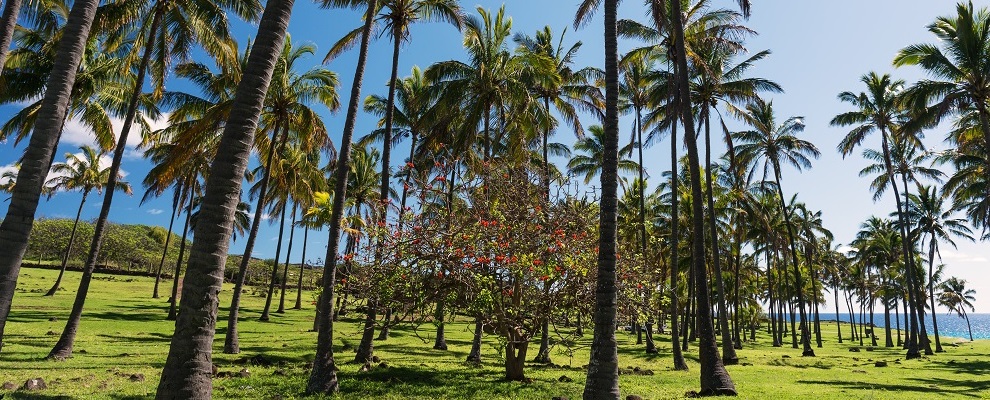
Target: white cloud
x=75 y=133
x=155 y=211
x=949 y=255
x=845 y=249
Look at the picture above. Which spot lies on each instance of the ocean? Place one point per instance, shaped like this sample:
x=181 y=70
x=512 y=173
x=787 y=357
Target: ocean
x=949 y=325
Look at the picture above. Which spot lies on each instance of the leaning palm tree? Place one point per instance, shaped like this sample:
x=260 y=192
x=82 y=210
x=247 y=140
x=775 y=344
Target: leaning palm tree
x=771 y=145
x=83 y=172
x=16 y=226
x=934 y=220
x=957 y=298
x=187 y=372
x=323 y=377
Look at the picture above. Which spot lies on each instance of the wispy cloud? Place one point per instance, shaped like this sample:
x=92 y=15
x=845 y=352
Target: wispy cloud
x=155 y=211
x=955 y=256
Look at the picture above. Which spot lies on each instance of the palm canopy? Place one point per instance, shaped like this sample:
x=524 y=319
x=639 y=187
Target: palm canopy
x=956 y=297
x=927 y=211
x=589 y=164
x=396 y=17
x=83 y=172
x=772 y=143
x=908 y=160
x=879 y=108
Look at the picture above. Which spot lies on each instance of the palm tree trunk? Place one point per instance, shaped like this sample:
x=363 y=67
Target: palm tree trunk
x=603 y=369
x=838 y=321
x=728 y=350
x=302 y=269
x=265 y=314
x=679 y=363
x=187 y=371
x=913 y=351
x=897 y=320
x=323 y=378
x=889 y=342
x=16 y=226
x=798 y=284
x=168 y=239
x=7 y=24
x=68 y=248
x=968 y=326
x=231 y=342
x=173 y=300
x=931 y=291
x=915 y=282
x=63 y=348
x=288 y=254
x=715 y=379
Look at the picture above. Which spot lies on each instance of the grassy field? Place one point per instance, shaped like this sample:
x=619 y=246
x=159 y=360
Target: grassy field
x=124 y=337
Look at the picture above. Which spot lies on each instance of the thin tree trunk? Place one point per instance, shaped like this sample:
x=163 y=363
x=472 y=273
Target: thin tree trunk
x=63 y=348
x=889 y=341
x=679 y=363
x=799 y=285
x=915 y=282
x=173 y=300
x=302 y=269
x=288 y=254
x=603 y=369
x=931 y=291
x=475 y=355
x=323 y=378
x=897 y=319
x=441 y=340
x=68 y=248
x=838 y=321
x=7 y=24
x=171 y=222
x=728 y=350
x=265 y=314
x=231 y=341
x=188 y=368
x=16 y=226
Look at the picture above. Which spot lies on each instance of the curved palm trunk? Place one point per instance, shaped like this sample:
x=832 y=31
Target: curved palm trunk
x=679 y=363
x=838 y=322
x=174 y=299
x=715 y=379
x=603 y=369
x=168 y=239
x=16 y=226
x=323 y=378
x=302 y=269
x=68 y=248
x=231 y=342
x=931 y=291
x=7 y=24
x=265 y=314
x=728 y=350
x=188 y=369
x=63 y=348
x=798 y=283
x=915 y=283
x=288 y=254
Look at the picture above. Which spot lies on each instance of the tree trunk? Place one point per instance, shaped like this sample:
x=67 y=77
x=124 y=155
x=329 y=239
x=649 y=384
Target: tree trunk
x=475 y=355
x=265 y=314
x=728 y=350
x=323 y=378
x=915 y=282
x=603 y=369
x=515 y=357
x=16 y=226
x=188 y=369
x=302 y=269
x=441 y=340
x=173 y=300
x=7 y=24
x=889 y=342
x=366 y=349
x=285 y=271
x=838 y=321
x=679 y=363
x=799 y=285
x=63 y=348
x=68 y=248
x=231 y=342
x=931 y=291
x=171 y=222
x=386 y=325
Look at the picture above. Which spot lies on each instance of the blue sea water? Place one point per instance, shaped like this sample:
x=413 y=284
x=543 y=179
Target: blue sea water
x=949 y=325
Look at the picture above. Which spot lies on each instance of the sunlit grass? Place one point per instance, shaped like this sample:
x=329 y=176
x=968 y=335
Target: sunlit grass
x=124 y=333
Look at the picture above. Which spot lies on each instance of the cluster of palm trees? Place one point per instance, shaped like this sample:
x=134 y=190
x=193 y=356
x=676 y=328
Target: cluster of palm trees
x=731 y=252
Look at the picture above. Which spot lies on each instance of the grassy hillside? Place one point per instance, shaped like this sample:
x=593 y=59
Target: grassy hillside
x=124 y=334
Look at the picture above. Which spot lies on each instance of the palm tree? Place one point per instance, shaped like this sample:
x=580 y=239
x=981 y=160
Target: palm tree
x=957 y=298
x=85 y=173
x=590 y=164
x=187 y=373
x=773 y=144
x=323 y=378
x=878 y=110
x=8 y=21
x=934 y=220
x=16 y=226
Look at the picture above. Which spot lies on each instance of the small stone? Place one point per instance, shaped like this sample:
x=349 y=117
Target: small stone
x=634 y=397
x=691 y=394
x=383 y=364
x=137 y=378
x=279 y=372
x=366 y=367
x=375 y=359
x=859 y=371
x=285 y=345
x=785 y=356
x=83 y=352
x=746 y=364
x=51 y=333
x=565 y=378
x=53 y=319
x=244 y=373
x=880 y=364
x=34 y=384
x=854 y=349
x=215 y=370
x=560 y=398
x=9 y=386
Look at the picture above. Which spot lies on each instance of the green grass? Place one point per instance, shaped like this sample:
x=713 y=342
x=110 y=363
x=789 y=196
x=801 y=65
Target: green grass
x=124 y=332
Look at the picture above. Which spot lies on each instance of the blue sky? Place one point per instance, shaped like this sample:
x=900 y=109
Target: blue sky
x=819 y=49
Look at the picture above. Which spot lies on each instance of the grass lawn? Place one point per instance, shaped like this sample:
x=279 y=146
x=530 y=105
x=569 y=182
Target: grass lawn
x=124 y=333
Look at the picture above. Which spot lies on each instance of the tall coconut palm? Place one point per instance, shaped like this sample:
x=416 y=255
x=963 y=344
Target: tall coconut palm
x=323 y=378
x=8 y=21
x=187 y=373
x=16 y=226
x=590 y=164
x=957 y=298
x=84 y=172
x=772 y=145
x=934 y=220
x=603 y=370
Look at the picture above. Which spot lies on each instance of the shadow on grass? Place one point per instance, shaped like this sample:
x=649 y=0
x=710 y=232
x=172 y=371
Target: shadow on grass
x=19 y=395
x=871 y=386
x=968 y=367
x=965 y=387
